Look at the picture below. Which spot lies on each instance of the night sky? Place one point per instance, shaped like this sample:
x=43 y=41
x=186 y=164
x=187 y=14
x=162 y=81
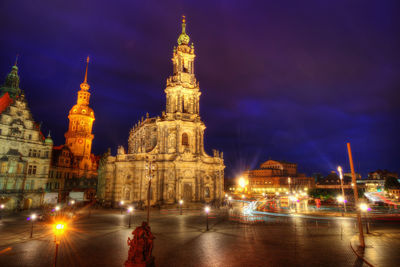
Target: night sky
x=286 y=80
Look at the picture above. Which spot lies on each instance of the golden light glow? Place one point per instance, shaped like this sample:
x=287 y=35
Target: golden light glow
x=207 y=209
x=363 y=207
x=242 y=182
x=59 y=228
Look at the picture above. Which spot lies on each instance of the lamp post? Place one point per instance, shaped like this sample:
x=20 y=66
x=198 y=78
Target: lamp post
x=229 y=201
x=33 y=217
x=149 y=168
x=340 y=199
x=355 y=192
x=121 y=204
x=364 y=208
x=180 y=206
x=341 y=185
x=1 y=211
x=207 y=210
x=243 y=200
x=57 y=209
x=130 y=210
x=58 y=231
x=289 y=180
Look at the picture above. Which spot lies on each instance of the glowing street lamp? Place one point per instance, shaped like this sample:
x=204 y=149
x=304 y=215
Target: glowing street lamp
x=364 y=208
x=1 y=211
x=180 y=205
x=32 y=218
x=207 y=210
x=130 y=211
x=341 y=185
x=242 y=182
x=289 y=181
x=340 y=199
x=58 y=231
x=149 y=167
x=121 y=204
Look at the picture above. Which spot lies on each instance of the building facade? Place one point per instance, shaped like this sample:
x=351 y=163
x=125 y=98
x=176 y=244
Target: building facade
x=73 y=166
x=172 y=143
x=275 y=176
x=24 y=152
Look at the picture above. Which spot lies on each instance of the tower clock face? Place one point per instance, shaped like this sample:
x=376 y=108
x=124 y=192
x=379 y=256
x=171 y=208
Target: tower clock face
x=80 y=141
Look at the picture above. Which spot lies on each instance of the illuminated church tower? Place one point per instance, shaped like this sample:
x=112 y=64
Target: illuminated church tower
x=182 y=89
x=79 y=135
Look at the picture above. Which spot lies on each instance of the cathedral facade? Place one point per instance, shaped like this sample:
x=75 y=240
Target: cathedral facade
x=168 y=149
x=24 y=151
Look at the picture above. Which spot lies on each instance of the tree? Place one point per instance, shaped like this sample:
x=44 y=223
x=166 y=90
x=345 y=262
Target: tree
x=391 y=183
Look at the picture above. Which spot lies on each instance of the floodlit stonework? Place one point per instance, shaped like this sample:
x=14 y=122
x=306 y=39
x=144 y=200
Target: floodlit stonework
x=173 y=142
x=24 y=151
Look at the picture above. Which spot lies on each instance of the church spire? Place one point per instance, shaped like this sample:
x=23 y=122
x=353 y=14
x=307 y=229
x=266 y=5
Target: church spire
x=183 y=38
x=11 y=85
x=16 y=60
x=85 y=86
x=87 y=64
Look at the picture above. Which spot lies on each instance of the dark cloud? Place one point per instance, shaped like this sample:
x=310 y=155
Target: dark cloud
x=292 y=81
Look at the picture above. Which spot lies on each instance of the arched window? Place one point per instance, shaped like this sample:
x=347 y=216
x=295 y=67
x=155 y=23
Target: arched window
x=185 y=139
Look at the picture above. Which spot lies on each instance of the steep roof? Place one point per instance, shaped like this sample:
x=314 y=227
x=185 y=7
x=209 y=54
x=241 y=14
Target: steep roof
x=5 y=101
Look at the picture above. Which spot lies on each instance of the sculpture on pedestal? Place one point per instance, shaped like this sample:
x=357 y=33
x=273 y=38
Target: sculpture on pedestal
x=140 y=247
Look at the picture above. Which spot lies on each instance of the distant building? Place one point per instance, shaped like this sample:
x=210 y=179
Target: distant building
x=276 y=176
x=376 y=180
x=24 y=151
x=73 y=166
x=173 y=142
x=332 y=181
x=382 y=175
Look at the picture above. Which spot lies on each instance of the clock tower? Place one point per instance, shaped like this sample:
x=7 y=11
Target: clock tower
x=79 y=135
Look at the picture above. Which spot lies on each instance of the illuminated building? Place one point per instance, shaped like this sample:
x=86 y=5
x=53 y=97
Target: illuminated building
x=273 y=176
x=74 y=167
x=174 y=142
x=24 y=151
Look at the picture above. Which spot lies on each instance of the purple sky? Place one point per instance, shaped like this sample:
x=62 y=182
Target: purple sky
x=287 y=80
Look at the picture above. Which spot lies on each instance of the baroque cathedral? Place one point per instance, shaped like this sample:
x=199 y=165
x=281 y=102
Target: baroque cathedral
x=173 y=144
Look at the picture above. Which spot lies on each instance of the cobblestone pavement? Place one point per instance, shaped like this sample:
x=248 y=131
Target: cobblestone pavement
x=181 y=240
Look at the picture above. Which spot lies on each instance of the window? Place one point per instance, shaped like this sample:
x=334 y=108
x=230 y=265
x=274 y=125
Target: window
x=0 y=131
x=30 y=153
x=46 y=154
x=32 y=184
x=30 y=137
x=34 y=170
x=4 y=167
x=207 y=192
x=19 y=168
x=34 y=153
x=30 y=169
x=185 y=139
